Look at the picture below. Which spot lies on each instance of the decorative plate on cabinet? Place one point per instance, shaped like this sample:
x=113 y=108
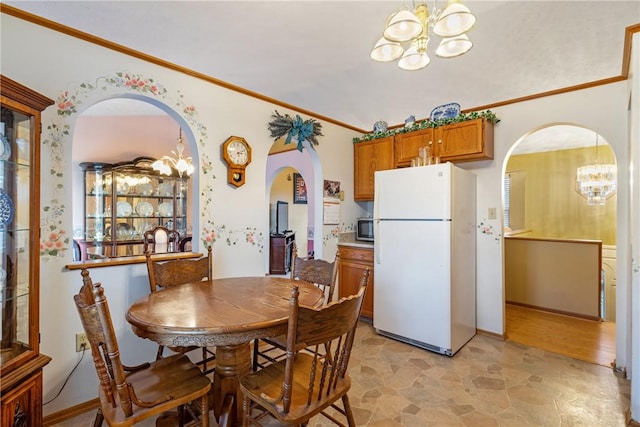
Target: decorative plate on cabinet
x=122 y=188
x=124 y=209
x=446 y=111
x=145 y=189
x=380 y=126
x=165 y=189
x=7 y=210
x=5 y=148
x=165 y=209
x=144 y=209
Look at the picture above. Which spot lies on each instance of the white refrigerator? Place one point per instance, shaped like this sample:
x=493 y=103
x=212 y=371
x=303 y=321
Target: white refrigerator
x=425 y=256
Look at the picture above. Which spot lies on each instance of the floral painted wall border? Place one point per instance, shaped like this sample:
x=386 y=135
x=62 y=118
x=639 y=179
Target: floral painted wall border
x=334 y=231
x=487 y=229
x=55 y=239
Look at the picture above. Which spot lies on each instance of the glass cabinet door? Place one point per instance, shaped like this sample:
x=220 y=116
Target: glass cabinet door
x=98 y=203
x=19 y=230
x=20 y=246
x=15 y=232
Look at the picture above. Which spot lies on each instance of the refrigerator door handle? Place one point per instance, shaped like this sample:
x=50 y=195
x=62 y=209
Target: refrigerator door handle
x=377 y=201
x=376 y=240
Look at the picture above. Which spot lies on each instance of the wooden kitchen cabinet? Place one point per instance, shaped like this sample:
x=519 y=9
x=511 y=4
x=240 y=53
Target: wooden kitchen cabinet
x=353 y=261
x=408 y=144
x=464 y=141
x=369 y=157
x=457 y=142
x=20 y=361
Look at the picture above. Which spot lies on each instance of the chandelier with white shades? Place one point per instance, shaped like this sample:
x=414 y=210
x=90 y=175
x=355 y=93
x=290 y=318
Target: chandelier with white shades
x=183 y=165
x=413 y=28
x=596 y=182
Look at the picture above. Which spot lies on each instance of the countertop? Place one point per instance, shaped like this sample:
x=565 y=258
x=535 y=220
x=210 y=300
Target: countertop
x=349 y=239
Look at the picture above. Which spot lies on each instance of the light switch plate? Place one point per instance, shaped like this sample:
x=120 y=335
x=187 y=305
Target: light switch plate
x=492 y=213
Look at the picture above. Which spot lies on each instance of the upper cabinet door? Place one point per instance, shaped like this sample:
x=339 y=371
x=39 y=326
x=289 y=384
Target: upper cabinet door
x=408 y=145
x=465 y=141
x=369 y=157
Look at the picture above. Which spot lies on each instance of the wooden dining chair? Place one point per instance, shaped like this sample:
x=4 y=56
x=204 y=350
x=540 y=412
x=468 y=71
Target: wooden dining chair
x=160 y=240
x=305 y=384
x=184 y=245
x=129 y=395
x=175 y=272
x=317 y=271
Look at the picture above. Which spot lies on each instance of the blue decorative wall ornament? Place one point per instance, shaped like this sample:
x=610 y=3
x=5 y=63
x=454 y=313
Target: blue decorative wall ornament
x=301 y=130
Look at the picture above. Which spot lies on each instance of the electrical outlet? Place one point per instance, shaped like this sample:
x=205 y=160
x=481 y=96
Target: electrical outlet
x=492 y=213
x=82 y=342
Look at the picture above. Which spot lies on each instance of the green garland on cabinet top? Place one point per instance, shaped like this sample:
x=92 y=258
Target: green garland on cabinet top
x=488 y=115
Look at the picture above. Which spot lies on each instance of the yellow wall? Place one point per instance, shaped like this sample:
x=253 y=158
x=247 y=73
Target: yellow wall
x=553 y=208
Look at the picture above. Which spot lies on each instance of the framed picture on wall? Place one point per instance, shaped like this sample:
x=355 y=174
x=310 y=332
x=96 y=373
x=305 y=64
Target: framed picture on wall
x=299 y=189
x=331 y=189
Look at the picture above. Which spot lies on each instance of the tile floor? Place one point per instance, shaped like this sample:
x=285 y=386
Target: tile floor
x=487 y=383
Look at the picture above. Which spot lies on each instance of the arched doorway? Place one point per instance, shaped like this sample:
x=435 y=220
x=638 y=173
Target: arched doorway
x=542 y=165
x=307 y=163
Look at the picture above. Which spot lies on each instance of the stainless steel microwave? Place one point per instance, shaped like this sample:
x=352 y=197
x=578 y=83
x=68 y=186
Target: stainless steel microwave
x=364 y=229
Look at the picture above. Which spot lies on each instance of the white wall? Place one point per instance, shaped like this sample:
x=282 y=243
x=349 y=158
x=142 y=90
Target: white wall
x=602 y=109
x=238 y=217
x=61 y=63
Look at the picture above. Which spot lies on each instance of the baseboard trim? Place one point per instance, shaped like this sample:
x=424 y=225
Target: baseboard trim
x=71 y=412
x=551 y=310
x=630 y=422
x=502 y=337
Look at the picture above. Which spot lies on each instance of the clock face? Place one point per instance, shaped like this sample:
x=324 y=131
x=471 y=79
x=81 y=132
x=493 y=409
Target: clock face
x=237 y=152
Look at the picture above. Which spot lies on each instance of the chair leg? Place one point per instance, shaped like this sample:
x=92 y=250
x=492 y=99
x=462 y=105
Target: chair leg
x=255 y=355
x=246 y=410
x=181 y=415
x=159 y=354
x=347 y=409
x=99 y=418
x=204 y=359
x=204 y=416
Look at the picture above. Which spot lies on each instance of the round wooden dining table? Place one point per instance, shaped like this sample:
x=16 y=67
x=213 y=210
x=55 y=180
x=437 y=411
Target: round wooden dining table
x=226 y=313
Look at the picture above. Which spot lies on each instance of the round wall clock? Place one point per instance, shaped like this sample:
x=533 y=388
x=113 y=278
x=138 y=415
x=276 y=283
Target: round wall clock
x=237 y=153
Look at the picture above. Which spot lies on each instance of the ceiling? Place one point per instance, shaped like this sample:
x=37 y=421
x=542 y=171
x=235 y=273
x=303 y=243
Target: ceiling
x=315 y=54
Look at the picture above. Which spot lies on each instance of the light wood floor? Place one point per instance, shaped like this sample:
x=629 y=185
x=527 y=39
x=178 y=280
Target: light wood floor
x=582 y=339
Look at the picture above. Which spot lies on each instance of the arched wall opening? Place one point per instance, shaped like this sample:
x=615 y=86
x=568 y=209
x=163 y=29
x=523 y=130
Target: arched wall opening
x=543 y=163
x=125 y=126
x=308 y=165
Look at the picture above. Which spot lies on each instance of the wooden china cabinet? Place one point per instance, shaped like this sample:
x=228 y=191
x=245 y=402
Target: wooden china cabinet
x=20 y=361
x=123 y=200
